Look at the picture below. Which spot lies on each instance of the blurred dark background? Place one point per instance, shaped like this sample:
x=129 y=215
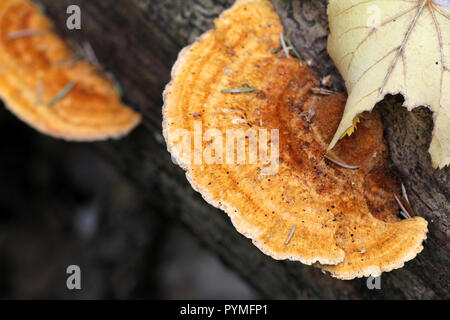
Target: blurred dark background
x=62 y=204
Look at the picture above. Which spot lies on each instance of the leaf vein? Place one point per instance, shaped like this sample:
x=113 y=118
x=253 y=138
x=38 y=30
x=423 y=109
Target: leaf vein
x=402 y=46
x=374 y=30
x=367 y=1
x=441 y=50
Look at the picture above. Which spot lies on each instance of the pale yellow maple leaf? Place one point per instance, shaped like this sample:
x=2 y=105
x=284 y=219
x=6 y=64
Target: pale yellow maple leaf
x=394 y=46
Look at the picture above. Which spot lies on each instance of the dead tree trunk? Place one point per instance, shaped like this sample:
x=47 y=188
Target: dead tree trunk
x=138 y=40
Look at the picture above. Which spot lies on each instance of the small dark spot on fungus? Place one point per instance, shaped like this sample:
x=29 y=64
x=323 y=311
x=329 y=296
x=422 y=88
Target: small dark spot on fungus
x=261 y=95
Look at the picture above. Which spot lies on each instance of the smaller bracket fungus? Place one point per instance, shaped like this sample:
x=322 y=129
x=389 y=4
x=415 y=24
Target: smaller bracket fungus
x=43 y=83
x=232 y=91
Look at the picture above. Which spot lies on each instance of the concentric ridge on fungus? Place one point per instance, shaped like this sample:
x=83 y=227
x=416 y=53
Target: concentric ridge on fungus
x=344 y=219
x=43 y=84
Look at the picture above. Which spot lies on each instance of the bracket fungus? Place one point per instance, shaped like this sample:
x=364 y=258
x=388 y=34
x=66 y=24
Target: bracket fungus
x=44 y=84
x=306 y=207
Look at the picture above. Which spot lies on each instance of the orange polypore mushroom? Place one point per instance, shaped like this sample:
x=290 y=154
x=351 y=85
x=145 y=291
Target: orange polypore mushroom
x=294 y=202
x=43 y=84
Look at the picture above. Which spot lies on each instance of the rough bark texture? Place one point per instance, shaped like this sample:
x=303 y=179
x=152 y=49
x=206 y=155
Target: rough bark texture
x=138 y=40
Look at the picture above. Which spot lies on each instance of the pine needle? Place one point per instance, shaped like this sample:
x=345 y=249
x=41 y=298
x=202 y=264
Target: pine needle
x=322 y=91
x=283 y=44
x=405 y=195
x=287 y=45
x=239 y=90
x=89 y=55
x=62 y=93
x=291 y=234
x=24 y=33
x=291 y=46
x=340 y=163
x=403 y=210
x=408 y=207
x=39 y=94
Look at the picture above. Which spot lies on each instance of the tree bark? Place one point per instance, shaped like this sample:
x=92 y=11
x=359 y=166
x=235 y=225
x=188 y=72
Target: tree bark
x=138 y=40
